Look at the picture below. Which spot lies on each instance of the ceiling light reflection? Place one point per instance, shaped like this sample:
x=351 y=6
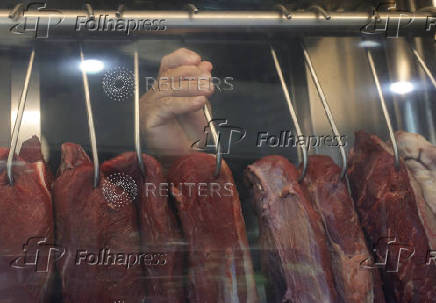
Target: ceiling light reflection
x=92 y=66
x=401 y=87
x=369 y=43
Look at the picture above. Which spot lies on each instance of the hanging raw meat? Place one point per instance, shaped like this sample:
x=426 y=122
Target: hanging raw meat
x=27 y=253
x=160 y=234
x=344 y=233
x=420 y=158
x=98 y=228
x=294 y=251
x=387 y=206
x=220 y=267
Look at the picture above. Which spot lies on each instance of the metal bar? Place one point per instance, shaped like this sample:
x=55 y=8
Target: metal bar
x=75 y=21
x=384 y=109
x=137 y=126
x=327 y=110
x=91 y=126
x=424 y=66
x=216 y=139
x=292 y=111
x=20 y=113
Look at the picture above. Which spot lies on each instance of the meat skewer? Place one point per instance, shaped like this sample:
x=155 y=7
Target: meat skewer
x=332 y=200
x=26 y=227
x=96 y=224
x=295 y=254
x=387 y=206
x=220 y=267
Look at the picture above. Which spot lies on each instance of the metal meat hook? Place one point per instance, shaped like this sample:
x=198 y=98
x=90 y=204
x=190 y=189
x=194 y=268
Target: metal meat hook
x=19 y=119
x=292 y=112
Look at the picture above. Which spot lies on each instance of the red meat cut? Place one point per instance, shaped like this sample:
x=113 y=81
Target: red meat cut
x=160 y=233
x=347 y=243
x=387 y=206
x=89 y=221
x=295 y=255
x=26 y=231
x=220 y=267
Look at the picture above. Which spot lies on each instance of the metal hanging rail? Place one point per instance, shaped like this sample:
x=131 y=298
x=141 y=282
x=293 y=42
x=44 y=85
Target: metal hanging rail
x=327 y=110
x=316 y=19
x=292 y=112
x=385 y=110
x=19 y=119
x=91 y=125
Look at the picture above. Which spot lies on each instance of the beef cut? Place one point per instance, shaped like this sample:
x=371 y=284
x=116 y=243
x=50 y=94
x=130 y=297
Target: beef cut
x=220 y=267
x=387 y=206
x=160 y=234
x=294 y=250
x=98 y=227
x=26 y=228
x=420 y=158
x=344 y=233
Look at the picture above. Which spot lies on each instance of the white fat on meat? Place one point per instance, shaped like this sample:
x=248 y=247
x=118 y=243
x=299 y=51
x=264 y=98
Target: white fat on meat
x=420 y=158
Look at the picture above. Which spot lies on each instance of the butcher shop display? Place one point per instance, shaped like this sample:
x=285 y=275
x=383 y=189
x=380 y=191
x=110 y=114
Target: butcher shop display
x=388 y=207
x=26 y=229
x=218 y=151
x=332 y=200
x=220 y=266
x=294 y=249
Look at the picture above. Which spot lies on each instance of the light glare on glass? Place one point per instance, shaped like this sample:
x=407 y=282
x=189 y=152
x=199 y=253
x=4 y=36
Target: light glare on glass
x=369 y=43
x=402 y=87
x=92 y=66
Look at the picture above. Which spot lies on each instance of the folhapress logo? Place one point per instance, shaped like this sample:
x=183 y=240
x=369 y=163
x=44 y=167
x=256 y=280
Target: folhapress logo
x=390 y=254
x=226 y=135
x=39 y=26
x=38 y=254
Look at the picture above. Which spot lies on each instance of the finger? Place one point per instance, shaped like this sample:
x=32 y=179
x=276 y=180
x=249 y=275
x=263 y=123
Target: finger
x=168 y=108
x=185 y=88
x=193 y=124
x=206 y=66
x=180 y=57
x=186 y=71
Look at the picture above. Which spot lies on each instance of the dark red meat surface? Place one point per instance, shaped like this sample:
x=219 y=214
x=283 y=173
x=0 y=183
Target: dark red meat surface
x=26 y=227
x=294 y=250
x=344 y=233
x=220 y=267
x=386 y=204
